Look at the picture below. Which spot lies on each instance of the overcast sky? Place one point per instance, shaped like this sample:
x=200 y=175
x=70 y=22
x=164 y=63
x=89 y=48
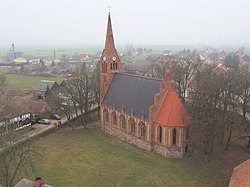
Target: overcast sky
x=157 y=22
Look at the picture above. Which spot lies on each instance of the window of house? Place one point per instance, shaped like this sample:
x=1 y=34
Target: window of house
x=111 y=66
x=114 y=119
x=174 y=136
x=132 y=126
x=143 y=130
x=123 y=122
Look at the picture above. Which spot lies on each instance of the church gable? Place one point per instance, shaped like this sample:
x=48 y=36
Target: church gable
x=132 y=93
x=172 y=112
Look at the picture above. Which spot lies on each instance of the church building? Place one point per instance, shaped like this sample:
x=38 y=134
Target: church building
x=142 y=111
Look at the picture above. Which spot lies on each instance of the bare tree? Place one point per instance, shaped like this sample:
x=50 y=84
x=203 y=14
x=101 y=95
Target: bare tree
x=243 y=88
x=96 y=86
x=16 y=158
x=79 y=90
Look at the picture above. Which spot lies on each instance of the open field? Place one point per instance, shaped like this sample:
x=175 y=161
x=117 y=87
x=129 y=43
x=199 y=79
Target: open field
x=134 y=59
x=75 y=158
x=26 y=82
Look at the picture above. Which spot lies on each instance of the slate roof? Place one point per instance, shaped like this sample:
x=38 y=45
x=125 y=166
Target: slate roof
x=42 y=85
x=132 y=93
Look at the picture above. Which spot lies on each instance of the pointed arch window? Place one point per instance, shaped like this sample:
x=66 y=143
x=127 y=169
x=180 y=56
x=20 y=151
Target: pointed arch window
x=103 y=67
x=116 y=66
x=114 y=119
x=111 y=66
x=132 y=126
x=106 y=115
x=174 y=136
x=123 y=122
x=160 y=134
x=143 y=130
x=187 y=134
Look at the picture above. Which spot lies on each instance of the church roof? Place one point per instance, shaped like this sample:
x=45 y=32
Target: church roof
x=172 y=112
x=132 y=93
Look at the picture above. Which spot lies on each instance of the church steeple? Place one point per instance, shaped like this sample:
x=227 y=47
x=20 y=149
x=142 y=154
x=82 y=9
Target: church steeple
x=109 y=44
x=110 y=62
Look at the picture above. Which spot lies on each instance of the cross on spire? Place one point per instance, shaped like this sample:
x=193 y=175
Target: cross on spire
x=109 y=8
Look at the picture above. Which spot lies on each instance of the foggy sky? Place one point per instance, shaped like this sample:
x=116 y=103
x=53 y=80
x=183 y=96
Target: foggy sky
x=157 y=22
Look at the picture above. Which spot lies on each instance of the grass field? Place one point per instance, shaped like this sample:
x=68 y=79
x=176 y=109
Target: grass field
x=92 y=158
x=134 y=59
x=26 y=82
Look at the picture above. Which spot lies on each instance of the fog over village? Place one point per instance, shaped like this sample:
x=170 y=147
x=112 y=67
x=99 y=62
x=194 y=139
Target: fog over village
x=124 y=93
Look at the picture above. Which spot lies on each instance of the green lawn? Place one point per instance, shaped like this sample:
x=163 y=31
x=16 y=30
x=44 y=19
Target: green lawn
x=26 y=82
x=92 y=158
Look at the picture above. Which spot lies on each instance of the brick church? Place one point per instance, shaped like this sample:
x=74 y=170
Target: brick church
x=143 y=111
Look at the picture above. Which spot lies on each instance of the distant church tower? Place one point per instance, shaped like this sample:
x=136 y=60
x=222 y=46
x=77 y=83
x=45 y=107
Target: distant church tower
x=110 y=62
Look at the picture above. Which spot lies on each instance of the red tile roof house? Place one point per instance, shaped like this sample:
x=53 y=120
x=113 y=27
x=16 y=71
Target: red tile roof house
x=143 y=111
x=241 y=175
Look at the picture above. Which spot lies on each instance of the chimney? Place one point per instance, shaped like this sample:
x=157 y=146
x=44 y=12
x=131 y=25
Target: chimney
x=38 y=182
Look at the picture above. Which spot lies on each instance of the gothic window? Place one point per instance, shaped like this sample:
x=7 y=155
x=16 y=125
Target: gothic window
x=143 y=130
x=114 y=119
x=103 y=70
x=132 y=126
x=187 y=133
x=106 y=115
x=115 y=65
x=111 y=66
x=123 y=122
x=106 y=67
x=160 y=134
x=174 y=136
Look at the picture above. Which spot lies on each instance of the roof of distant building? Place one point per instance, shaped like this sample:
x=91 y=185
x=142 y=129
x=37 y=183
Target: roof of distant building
x=241 y=175
x=44 y=84
x=13 y=108
x=27 y=183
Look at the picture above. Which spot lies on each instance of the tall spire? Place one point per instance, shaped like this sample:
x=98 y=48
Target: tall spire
x=110 y=44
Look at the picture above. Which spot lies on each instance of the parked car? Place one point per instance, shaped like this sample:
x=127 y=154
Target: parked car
x=55 y=116
x=44 y=121
x=33 y=121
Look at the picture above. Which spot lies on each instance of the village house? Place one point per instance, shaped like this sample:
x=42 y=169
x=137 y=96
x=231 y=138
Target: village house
x=38 y=182
x=38 y=109
x=143 y=111
x=14 y=116
x=43 y=88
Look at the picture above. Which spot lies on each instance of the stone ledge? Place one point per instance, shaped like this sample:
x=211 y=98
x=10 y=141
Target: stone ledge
x=169 y=152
